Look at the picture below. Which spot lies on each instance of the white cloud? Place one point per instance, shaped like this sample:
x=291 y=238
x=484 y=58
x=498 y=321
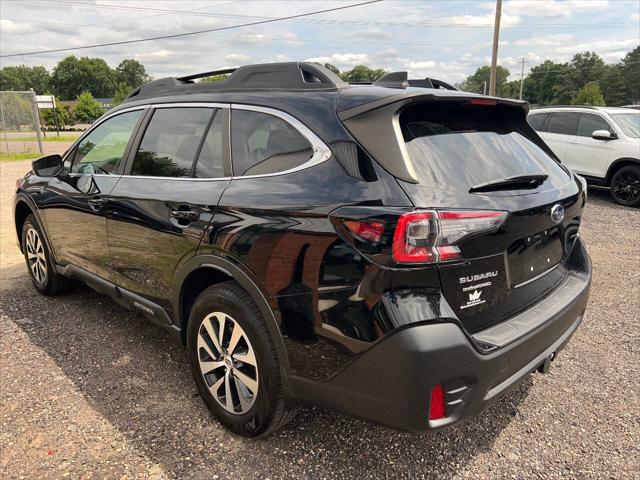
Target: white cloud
x=343 y=60
x=8 y=26
x=237 y=58
x=550 y=8
x=546 y=40
x=506 y=20
x=599 y=47
x=373 y=34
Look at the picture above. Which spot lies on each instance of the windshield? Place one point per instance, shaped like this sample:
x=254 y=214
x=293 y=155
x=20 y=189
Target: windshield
x=458 y=147
x=629 y=123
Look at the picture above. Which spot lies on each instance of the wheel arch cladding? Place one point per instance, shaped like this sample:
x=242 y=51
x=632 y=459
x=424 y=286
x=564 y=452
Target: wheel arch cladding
x=618 y=164
x=203 y=271
x=22 y=211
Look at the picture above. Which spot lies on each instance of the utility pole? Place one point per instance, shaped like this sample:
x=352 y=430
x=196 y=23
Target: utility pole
x=523 y=61
x=494 y=53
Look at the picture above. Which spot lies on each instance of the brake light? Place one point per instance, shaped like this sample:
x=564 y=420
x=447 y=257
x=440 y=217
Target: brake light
x=431 y=236
x=482 y=101
x=436 y=407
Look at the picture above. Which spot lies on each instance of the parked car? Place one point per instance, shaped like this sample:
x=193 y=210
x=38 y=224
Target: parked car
x=402 y=254
x=600 y=143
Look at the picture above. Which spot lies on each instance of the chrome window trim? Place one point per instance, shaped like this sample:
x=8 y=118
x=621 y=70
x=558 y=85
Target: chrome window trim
x=321 y=151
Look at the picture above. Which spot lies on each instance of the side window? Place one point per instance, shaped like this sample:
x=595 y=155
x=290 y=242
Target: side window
x=210 y=162
x=589 y=123
x=102 y=149
x=262 y=143
x=536 y=120
x=170 y=142
x=564 y=123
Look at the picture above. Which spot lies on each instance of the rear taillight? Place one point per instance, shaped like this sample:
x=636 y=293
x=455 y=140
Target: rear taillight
x=430 y=236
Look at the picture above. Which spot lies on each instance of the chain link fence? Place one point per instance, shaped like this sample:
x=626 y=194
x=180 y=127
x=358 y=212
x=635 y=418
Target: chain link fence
x=20 y=130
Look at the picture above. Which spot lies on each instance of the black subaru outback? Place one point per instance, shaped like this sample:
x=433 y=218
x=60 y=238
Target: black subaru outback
x=401 y=251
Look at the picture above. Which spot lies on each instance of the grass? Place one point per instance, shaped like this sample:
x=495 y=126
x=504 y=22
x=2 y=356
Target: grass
x=11 y=157
x=50 y=138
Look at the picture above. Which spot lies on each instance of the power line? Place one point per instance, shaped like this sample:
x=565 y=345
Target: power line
x=186 y=34
x=450 y=24
x=106 y=23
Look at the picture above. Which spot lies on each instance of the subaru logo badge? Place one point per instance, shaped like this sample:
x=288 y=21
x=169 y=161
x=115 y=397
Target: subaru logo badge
x=557 y=213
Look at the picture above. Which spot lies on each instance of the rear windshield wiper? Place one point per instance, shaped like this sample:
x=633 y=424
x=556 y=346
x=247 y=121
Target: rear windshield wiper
x=511 y=183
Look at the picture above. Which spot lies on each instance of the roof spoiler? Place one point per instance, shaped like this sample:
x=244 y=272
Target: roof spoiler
x=381 y=116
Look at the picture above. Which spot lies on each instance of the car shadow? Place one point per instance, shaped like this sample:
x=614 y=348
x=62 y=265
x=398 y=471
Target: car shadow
x=138 y=379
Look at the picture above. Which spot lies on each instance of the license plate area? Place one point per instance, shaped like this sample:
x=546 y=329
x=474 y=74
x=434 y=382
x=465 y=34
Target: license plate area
x=476 y=285
x=533 y=255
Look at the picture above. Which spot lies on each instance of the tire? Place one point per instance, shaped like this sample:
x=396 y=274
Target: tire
x=625 y=186
x=38 y=258
x=241 y=384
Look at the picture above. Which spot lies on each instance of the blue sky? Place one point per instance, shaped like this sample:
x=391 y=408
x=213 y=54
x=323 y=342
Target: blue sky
x=446 y=39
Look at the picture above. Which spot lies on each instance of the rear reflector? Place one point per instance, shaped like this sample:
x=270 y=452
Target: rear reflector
x=436 y=407
x=370 y=231
x=431 y=236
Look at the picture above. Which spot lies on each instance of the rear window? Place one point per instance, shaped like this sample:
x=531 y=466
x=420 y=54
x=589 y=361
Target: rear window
x=536 y=120
x=455 y=148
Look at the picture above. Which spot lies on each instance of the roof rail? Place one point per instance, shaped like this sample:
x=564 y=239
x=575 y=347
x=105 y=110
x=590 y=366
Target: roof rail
x=269 y=76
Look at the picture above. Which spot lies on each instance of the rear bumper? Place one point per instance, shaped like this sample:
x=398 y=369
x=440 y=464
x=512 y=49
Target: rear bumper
x=392 y=382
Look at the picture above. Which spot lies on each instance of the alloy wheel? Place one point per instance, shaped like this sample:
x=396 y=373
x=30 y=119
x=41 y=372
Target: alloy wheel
x=227 y=363
x=627 y=187
x=36 y=257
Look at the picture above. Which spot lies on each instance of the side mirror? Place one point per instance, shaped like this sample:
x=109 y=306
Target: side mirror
x=48 y=166
x=603 y=135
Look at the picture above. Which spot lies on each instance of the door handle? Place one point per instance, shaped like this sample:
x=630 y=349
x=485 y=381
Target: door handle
x=186 y=216
x=97 y=204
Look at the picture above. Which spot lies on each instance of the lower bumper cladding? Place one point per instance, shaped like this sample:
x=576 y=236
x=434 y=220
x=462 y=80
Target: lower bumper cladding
x=393 y=383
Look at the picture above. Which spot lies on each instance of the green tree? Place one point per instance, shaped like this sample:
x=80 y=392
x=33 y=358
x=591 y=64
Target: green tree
x=59 y=116
x=589 y=94
x=215 y=78
x=87 y=109
x=475 y=83
x=362 y=73
x=132 y=73
x=613 y=86
x=545 y=84
x=72 y=76
x=631 y=73
x=122 y=91
x=584 y=67
x=22 y=78
x=333 y=68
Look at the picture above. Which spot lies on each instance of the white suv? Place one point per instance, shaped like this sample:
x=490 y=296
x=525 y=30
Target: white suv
x=600 y=143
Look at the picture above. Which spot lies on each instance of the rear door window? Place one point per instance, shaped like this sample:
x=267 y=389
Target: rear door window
x=456 y=148
x=563 y=123
x=210 y=162
x=171 y=141
x=589 y=123
x=263 y=144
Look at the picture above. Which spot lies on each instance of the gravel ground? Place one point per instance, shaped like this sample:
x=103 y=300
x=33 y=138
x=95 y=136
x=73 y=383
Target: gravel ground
x=90 y=390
